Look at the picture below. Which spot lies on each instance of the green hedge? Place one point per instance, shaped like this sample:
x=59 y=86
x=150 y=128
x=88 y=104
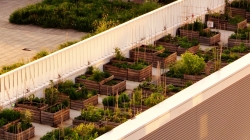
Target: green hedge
x=78 y=15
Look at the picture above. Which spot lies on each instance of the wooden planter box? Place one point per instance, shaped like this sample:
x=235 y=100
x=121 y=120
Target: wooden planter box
x=173 y=81
x=78 y=122
x=190 y=34
x=164 y=62
x=53 y=119
x=62 y=97
x=241 y=25
x=5 y=127
x=193 y=78
x=237 y=11
x=128 y=60
x=93 y=85
x=80 y=104
x=118 y=73
x=140 y=75
x=110 y=124
x=129 y=74
x=211 y=40
x=237 y=42
x=35 y=111
x=169 y=46
x=147 y=56
x=218 y=23
x=135 y=108
x=112 y=90
x=192 y=50
x=24 y=135
x=248 y=16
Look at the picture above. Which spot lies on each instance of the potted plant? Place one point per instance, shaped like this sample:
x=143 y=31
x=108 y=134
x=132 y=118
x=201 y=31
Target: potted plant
x=22 y=129
x=165 y=59
x=34 y=104
x=76 y=94
x=228 y=57
x=80 y=132
x=93 y=78
x=116 y=101
x=240 y=36
x=7 y=118
x=113 y=86
x=137 y=71
x=146 y=52
x=185 y=44
x=168 y=42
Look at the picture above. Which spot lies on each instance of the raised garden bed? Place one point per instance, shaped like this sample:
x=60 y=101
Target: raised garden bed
x=237 y=11
x=140 y=75
x=113 y=86
x=208 y=37
x=190 y=34
x=5 y=127
x=128 y=60
x=124 y=72
x=193 y=78
x=144 y=53
x=24 y=135
x=80 y=104
x=221 y=22
x=119 y=73
x=53 y=119
x=192 y=50
x=164 y=59
x=237 y=42
x=170 y=80
x=167 y=45
x=240 y=25
x=92 y=85
x=248 y=16
x=35 y=111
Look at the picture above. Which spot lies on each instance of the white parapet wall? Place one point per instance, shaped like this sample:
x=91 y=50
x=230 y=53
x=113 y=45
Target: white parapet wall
x=97 y=50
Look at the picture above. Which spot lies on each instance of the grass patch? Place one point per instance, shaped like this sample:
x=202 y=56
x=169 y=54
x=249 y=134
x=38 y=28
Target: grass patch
x=40 y=54
x=8 y=68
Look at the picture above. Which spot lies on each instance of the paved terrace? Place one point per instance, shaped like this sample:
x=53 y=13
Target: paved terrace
x=14 y=38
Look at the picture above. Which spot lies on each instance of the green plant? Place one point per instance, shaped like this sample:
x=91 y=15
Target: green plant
x=165 y=54
x=239 y=49
x=154 y=99
x=173 y=88
x=208 y=33
x=189 y=64
x=91 y=114
x=197 y=25
x=41 y=54
x=8 y=115
x=184 y=42
x=119 y=55
x=94 y=74
x=235 y=20
x=51 y=94
x=122 y=101
x=10 y=67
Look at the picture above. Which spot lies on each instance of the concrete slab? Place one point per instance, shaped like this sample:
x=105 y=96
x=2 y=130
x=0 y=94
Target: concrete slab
x=17 y=37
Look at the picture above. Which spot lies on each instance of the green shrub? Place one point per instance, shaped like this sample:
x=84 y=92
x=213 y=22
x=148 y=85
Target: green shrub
x=83 y=15
x=41 y=54
x=10 y=67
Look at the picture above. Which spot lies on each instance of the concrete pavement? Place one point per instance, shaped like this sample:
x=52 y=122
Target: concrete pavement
x=14 y=38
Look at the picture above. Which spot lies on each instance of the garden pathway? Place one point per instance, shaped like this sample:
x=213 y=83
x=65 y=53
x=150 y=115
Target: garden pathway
x=14 y=38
